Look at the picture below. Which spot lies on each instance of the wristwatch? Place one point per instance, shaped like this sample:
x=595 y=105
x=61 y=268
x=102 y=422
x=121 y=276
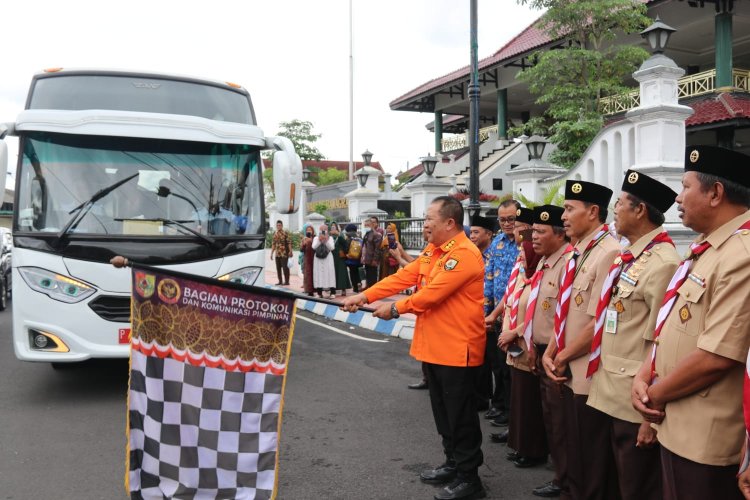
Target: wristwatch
x=394 y=311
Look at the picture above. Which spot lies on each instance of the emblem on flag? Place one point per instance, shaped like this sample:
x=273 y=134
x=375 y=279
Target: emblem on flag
x=169 y=291
x=145 y=284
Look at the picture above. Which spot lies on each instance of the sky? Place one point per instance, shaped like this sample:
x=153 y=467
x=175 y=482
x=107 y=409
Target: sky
x=291 y=55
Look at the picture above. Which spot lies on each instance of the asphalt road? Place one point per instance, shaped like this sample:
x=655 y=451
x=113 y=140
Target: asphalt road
x=351 y=428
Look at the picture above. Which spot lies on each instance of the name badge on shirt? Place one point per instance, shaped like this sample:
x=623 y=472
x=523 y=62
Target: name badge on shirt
x=610 y=323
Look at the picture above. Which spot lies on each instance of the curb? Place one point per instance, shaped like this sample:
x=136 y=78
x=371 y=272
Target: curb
x=391 y=327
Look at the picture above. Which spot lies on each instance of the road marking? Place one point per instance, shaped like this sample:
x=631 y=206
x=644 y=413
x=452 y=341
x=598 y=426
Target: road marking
x=342 y=332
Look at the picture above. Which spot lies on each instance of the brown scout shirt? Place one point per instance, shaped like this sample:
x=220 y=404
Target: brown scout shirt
x=707 y=427
x=521 y=361
x=637 y=307
x=543 y=328
x=587 y=285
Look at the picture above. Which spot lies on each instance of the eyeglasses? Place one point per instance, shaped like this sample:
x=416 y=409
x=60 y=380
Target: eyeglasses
x=507 y=220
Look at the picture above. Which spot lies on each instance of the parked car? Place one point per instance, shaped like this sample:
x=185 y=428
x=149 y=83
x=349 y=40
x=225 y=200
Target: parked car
x=6 y=266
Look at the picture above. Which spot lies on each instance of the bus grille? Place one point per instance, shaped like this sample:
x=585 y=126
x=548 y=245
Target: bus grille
x=112 y=308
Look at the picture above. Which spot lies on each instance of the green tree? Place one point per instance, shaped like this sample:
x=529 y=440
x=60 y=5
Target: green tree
x=570 y=81
x=331 y=176
x=320 y=208
x=301 y=134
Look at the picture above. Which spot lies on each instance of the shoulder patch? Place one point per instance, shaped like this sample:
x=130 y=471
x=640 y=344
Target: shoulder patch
x=450 y=264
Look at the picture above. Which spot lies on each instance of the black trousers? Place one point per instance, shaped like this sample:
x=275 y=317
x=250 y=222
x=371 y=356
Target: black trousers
x=683 y=478
x=500 y=371
x=281 y=266
x=371 y=275
x=354 y=277
x=454 y=408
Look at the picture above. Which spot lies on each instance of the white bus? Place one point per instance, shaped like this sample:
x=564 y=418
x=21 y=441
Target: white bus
x=162 y=169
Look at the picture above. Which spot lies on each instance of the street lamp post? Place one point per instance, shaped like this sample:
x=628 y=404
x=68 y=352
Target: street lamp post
x=474 y=206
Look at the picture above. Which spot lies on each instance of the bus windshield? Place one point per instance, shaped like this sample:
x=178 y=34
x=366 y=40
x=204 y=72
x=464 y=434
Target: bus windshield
x=143 y=94
x=214 y=189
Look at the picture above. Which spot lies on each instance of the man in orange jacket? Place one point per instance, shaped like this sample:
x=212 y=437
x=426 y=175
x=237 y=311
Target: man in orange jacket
x=450 y=275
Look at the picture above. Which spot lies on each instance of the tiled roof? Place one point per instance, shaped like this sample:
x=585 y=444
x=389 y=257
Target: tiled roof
x=529 y=39
x=719 y=108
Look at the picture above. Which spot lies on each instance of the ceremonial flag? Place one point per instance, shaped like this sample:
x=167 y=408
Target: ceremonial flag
x=207 y=371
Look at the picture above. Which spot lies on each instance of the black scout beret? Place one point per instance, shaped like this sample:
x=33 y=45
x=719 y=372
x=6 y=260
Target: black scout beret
x=485 y=222
x=588 y=192
x=649 y=190
x=549 y=215
x=725 y=163
x=525 y=215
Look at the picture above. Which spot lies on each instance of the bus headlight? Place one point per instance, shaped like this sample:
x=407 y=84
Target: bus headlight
x=56 y=286
x=243 y=276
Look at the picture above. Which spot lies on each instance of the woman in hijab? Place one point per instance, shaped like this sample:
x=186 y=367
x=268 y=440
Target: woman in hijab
x=309 y=254
x=388 y=263
x=339 y=254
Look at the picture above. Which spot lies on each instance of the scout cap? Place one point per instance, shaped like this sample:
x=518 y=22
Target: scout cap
x=525 y=215
x=649 y=190
x=549 y=215
x=725 y=163
x=588 y=192
x=485 y=222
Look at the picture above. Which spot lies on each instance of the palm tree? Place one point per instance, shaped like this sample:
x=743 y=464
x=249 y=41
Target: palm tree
x=552 y=196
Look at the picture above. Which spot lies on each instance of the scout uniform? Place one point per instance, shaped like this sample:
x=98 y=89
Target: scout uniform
x=702 y=433
x=451 y=278
x=640 y=277
x=589 y=476
x=542 y=326
x=526 y=432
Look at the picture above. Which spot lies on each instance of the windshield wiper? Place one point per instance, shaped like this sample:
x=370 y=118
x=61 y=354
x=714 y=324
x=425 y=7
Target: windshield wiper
x=82 y=209
x=212 y=242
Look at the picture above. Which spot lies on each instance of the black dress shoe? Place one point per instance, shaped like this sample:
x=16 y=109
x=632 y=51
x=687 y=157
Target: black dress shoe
x=278 y=284
x=464 y=489
x=286 y=284
x=500 y=421
x=500 y=437
x=493 y=413
x=549 y=490
x=419 y=385
x=525 y=462
x=512 y=455
x=439 y=475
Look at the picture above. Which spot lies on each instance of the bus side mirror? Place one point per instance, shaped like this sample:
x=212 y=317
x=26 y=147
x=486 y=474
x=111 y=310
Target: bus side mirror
x=3 y=164
x=287 y=174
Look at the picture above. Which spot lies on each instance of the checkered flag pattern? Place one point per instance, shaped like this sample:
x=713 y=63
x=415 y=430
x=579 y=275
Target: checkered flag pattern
x=199 y=432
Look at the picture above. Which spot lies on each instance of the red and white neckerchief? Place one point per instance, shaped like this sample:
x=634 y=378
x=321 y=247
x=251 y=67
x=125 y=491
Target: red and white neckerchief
x=746 y=408
x=511 y=285
x=566 y=287
x=626 y=258
x=515 y=301
x=670 y=297
x=536 y=282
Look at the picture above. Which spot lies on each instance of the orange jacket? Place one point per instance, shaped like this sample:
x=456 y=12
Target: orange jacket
x=449 y=303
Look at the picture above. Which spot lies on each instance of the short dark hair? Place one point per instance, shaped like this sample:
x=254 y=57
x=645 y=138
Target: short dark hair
x=450 y=208
x=509 y=202
x=737 y=194
x=560 y=231
x=279 y=222
x=377 y=221
x=602 y=211
x=652 y=213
